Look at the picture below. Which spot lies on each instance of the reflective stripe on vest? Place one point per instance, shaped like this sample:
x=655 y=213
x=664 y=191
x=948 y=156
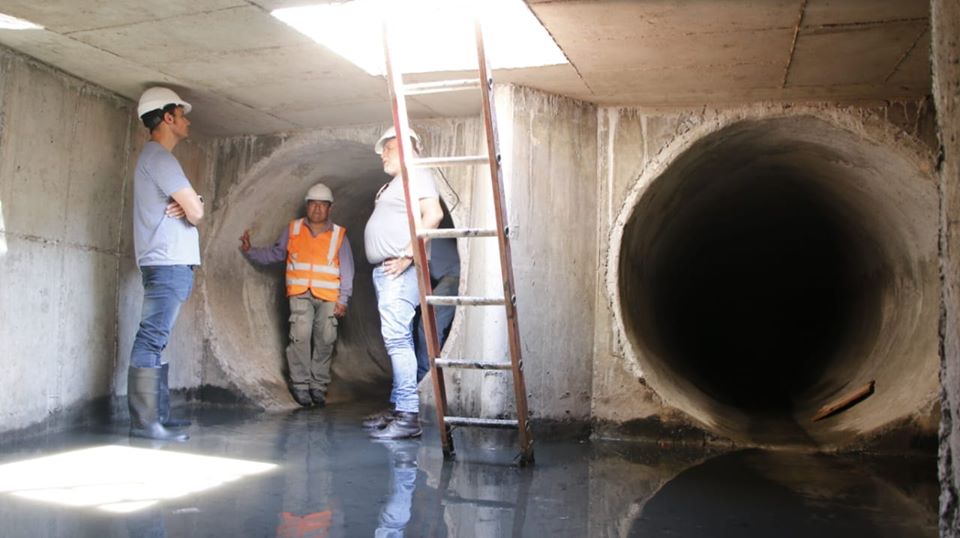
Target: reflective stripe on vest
x=328 y=269
x=314 y=284
x=312 y=262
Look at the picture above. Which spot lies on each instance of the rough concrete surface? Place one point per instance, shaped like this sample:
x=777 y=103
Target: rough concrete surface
x=946 y=92
x=64 y=160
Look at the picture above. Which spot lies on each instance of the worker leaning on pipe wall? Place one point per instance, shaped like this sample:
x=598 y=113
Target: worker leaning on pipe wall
x=319 y=281
x=166 y=211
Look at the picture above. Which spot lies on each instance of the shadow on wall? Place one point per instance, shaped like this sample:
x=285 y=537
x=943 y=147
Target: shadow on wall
x=246 y=307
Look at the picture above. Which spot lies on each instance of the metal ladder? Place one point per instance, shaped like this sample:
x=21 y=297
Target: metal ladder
x=398 y=93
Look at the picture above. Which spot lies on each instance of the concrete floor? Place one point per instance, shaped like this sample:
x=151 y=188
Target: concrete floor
x=330 y=480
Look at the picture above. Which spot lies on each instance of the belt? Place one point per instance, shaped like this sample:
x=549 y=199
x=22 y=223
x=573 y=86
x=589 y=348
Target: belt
x=385 y=260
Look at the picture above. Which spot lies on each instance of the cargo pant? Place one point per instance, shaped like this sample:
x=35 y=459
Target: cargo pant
x=311 y=321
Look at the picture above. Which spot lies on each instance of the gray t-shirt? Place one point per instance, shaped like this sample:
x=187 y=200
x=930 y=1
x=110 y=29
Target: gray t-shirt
x=387 y=233
x=158 y=239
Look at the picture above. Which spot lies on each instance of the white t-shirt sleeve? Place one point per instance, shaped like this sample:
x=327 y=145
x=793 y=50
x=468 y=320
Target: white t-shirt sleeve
x=422 y=185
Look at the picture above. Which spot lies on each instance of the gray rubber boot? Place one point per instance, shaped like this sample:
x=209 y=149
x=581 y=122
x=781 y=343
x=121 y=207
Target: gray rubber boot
x=403 y=426
x=143 y=394
x=165 y=401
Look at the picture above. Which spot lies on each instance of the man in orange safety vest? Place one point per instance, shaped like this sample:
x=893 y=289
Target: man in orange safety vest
x=319 y=281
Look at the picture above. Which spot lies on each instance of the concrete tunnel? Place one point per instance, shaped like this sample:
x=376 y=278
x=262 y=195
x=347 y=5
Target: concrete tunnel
x=772 y=265
x=246 y=310
x=762 y=270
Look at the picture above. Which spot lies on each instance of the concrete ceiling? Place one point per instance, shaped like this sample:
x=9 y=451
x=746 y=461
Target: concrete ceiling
x=247 y=73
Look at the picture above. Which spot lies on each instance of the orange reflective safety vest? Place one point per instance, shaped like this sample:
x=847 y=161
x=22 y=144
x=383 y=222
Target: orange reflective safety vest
x=313 y=263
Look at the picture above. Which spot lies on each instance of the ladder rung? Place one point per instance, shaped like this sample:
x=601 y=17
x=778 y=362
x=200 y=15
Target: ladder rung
x=422 y=88
x=445 y=233
x=479 y=365
x=481 y=422
x=454 y=300
x=437 y=162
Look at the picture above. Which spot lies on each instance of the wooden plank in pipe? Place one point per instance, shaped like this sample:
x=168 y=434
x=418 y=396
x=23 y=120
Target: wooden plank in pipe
x=845 y=402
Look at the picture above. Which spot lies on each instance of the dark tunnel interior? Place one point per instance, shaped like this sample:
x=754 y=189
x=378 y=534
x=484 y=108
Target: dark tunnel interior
x=756 y=290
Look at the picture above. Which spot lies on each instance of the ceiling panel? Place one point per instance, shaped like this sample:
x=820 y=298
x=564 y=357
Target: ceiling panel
x=194 y=37
x=65 y=16
x=273 y=65
x=249 y=73
x=113 y=72
x=848 y=55
x=309 y=93
x=853 y=12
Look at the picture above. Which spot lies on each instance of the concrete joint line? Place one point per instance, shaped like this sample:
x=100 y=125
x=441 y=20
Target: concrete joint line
x=907 y=52
x=59 y=242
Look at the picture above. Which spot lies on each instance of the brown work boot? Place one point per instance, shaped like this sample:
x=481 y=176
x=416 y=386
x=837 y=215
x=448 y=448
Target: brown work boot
x=403 y=426
x=378 y=420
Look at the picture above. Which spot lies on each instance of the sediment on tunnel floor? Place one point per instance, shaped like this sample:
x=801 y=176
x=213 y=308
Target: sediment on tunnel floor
x=774 y=265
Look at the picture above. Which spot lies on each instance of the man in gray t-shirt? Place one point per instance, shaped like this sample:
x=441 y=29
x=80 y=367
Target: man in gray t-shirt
x=166 y=211
x=390 y=251
x=387 y=234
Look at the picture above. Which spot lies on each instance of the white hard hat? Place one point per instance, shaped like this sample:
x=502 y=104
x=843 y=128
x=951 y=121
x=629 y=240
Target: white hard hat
x=319 y=192
x=391 y=133
x=158 y=97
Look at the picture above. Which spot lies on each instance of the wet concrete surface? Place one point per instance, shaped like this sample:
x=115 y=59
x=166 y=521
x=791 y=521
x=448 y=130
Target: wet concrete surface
x=330 y=480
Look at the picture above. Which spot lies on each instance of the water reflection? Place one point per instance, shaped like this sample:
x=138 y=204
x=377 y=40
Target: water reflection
x=759 y=493
x=395 y=513
x=332 y=481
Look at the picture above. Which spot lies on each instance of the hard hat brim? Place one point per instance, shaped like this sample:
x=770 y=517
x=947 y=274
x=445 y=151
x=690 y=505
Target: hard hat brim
x=378 y=147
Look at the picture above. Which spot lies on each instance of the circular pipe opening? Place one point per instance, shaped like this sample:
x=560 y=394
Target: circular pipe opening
x=776 y=265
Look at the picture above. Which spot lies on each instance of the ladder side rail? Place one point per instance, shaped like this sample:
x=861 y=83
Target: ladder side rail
x=506 y=262
x=402 y=128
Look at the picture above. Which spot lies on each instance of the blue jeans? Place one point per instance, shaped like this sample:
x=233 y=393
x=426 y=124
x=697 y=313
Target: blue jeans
x=397 y=300
x=448 y=285
x=165 y=289
x=395 y=513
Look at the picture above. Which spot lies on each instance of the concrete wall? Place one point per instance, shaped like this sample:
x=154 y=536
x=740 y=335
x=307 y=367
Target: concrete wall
x=64 y=168
x=553 y=204
x=945 y=17
x=549 y=166
x=71 y=291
